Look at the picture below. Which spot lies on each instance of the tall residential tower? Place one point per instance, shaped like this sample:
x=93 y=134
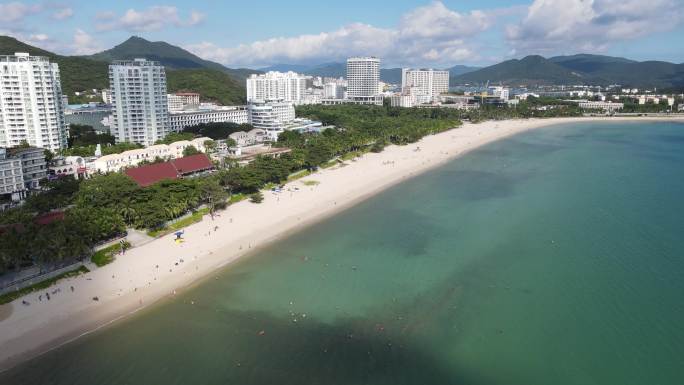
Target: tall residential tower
x=363 y=76
x=140 y=111
x=276 y=87
x=31 y=106
x=428 y=82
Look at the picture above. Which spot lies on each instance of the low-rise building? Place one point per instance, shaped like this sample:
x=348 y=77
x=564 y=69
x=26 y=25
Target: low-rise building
x=132 y=158
x=74 y=166
x=603 y=106
x=208 y=114
x=180 y=100
x=254 y=136
x=177 y=168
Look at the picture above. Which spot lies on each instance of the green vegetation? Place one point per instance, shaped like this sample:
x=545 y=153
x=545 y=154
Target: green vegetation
x=257 y=197
x=109 y=149
x=190 y=150
x=84 y=136
x=310 y=182
x=578 y=69
x=107 y=255
x=9 y=297
x=213 y=85
x=185 y=71
x=176 y=137
x=180 y=224
x=217 y=131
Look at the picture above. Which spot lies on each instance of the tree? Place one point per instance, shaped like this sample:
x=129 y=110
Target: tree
x=190 y=150
x=176 y=137
x=257 y=197
x=213 y=194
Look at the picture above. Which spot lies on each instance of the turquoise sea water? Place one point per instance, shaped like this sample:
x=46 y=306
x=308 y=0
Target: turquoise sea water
x=553 y=257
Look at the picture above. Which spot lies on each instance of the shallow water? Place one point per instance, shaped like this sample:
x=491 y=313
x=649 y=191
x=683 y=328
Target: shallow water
x=553 y=257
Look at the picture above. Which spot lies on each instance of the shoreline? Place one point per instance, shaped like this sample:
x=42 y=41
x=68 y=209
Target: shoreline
x=152 y=272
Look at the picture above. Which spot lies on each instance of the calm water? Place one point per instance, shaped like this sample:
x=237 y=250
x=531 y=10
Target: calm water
x=554 y=257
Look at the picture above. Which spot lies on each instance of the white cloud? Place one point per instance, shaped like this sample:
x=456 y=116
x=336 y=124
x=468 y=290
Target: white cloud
x=553 y=26
x=16 y=11
x=84 y=44
x=431 y=33
x=63 y=13
x=152 y=19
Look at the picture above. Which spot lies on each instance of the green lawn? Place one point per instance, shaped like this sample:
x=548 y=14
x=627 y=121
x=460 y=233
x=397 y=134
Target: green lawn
x=185 y=222
x=107 y=255
x=9 y=297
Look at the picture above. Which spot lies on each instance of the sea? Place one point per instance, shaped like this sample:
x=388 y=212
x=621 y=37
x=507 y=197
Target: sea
x=551 y=257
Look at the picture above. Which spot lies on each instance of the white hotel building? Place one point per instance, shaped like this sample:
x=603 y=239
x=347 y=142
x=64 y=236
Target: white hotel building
x=363 y=77
x=178 y=120
x=276 y=86
x=140 y=112
x=272 y=117
x=31 y=106
x=428 y=82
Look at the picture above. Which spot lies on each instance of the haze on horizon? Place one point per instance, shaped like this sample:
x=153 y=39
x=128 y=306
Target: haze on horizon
x=401 y=32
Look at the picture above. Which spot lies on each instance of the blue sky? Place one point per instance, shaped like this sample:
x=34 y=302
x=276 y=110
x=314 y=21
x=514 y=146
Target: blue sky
x=401 y=32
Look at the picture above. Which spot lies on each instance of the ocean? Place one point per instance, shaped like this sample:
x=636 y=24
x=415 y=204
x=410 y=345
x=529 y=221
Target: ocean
x=551 y=257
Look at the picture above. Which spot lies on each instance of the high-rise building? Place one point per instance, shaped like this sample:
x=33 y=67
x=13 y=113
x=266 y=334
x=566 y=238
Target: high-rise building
x=276 y=86
x=31 y=106
x=429 y=83
x=140 y=112
x=363 y=75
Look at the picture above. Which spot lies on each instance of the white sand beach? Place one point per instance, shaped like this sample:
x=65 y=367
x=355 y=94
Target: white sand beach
x=153 y=271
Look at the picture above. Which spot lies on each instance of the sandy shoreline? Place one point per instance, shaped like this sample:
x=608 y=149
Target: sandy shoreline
x=155 y=271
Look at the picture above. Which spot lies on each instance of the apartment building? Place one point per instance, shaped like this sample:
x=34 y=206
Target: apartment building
x=140 y=112
x=31 y=105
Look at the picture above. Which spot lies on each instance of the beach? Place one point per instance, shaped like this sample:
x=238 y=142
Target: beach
x=162 y=268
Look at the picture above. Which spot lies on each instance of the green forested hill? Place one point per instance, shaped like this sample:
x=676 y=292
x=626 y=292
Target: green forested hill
x=213 y=81
x=213 y=85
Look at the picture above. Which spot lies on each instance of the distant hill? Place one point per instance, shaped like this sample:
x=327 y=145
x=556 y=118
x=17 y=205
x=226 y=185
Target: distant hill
x=529 y=70
x=77 y=73
x=170 y=56
x=579 y=69
x=185 y=71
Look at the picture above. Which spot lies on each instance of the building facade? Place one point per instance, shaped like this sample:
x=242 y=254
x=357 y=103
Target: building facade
x=276 y=86
x=178 y=120
x=271 y=117
x=33 y=165
x=363 y=75
x=430 y=83
x=11 y=177
x=182 y=100
x=140 y=111
x=31 y=105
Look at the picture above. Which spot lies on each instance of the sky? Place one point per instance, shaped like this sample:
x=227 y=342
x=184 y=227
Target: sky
x=435 y=34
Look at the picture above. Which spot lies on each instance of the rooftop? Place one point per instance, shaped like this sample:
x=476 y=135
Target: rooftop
x=152 y=173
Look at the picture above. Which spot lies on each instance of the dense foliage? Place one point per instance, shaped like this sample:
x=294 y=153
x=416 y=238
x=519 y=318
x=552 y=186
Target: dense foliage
x=81 y=135
x=218 y=130
x=213 y=85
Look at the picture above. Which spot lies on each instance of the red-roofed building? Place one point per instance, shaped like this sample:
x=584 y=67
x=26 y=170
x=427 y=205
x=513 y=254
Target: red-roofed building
x=192 y=164
x=152 y=173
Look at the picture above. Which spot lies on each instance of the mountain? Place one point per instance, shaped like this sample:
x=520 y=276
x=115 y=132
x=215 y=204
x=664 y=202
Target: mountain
x=460 y=70
x=579 y=69
x=77 y=73
x=529 y=70
x=168 y=55
x=617 y=70
x=185 y=71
